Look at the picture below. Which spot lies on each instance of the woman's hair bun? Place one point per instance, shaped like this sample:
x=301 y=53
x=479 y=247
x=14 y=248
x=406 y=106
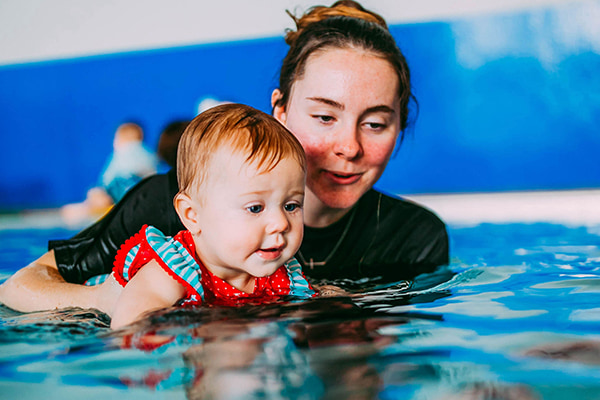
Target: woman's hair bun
x=342 y=8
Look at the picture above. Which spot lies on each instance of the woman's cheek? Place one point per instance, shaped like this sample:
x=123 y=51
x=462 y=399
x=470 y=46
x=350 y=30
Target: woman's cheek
x=313 y=148
x=382 y=151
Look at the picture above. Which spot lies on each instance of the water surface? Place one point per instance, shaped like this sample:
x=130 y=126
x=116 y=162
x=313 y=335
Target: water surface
x=516 y=315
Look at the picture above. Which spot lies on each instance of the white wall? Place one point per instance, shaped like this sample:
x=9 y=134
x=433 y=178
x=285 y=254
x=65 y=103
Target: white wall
x=34 y=30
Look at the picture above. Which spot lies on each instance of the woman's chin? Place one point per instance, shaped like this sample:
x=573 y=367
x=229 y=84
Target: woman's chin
x=340 y=200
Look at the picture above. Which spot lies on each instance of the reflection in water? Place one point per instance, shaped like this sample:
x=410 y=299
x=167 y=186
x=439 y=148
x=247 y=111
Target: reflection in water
x=318 y=349
x=486 y=391
x=584 y=351
x=260 y=360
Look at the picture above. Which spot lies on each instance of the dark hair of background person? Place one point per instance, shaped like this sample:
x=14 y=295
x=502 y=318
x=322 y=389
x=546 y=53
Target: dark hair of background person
x=169 y=140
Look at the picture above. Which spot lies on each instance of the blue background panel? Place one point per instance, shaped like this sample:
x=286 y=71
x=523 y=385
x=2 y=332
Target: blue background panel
x=506 y=102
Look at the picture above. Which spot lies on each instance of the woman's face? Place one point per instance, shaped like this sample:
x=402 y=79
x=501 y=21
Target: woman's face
x=346 y=113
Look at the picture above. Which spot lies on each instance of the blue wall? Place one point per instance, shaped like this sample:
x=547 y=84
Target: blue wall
x=506 y=102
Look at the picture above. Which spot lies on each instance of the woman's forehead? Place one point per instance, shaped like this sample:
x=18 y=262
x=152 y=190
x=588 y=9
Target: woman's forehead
x=348 y=75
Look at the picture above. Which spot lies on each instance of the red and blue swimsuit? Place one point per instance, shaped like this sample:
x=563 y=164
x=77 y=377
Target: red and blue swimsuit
x=177 y=256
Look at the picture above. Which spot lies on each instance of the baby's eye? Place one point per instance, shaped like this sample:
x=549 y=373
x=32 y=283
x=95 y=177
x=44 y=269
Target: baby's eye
x=291 y=207
x=255 y=209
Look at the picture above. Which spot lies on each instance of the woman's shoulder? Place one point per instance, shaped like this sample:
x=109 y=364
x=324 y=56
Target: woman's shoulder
x=151 y=202
x=393 y=207
x=150 y=191
x=163 y=182
x=407 y=232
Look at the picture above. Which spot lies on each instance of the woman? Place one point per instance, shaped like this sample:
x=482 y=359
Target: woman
x=344 y=92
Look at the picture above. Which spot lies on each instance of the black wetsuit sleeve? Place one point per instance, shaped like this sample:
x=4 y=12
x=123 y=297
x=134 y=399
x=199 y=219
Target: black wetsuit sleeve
x=92 y=251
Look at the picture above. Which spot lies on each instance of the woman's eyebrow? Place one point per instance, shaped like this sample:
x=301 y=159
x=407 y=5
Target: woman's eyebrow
x=340 y=106
x=380 y=108
x=329 y=102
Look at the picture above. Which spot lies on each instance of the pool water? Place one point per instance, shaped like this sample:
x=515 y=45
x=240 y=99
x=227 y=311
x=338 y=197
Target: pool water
x=516 y=315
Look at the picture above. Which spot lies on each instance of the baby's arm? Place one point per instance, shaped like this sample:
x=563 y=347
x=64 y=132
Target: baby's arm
x=151 y=288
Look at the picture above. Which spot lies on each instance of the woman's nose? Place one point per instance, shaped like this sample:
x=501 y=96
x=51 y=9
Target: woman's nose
x=347 y=144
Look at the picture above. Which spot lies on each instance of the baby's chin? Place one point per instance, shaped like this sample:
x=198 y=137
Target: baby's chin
x=261 y=273
x=267 y=269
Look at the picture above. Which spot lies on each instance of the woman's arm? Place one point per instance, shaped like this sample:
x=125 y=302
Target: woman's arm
x=54 y=280
x=39 y=286
x=150 y=289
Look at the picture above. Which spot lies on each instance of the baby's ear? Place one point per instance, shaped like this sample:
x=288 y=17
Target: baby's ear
x=188 y=213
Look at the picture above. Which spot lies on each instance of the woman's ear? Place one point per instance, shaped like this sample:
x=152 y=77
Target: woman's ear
x=278 y=111
x=188 y=212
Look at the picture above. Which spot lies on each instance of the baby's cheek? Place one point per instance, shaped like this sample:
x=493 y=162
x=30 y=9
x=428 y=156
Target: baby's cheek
x=297 y=232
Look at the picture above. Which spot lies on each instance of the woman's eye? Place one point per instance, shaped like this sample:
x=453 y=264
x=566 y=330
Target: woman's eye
x=324 y=118
x=255 y=209
x=291 y=207
x=375 y=126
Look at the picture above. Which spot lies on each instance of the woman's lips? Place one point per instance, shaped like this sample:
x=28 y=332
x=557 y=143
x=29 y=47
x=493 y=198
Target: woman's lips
x=340 y=178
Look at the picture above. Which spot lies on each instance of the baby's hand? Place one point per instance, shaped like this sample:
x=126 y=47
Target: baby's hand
x=330 y=291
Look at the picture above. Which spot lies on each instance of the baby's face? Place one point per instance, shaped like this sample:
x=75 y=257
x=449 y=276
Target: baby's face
x=251 y=221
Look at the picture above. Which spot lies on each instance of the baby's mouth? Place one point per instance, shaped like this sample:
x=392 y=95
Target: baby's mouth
x=271 y=253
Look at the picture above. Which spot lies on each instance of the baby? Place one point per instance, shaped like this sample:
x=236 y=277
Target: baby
x=241 y=181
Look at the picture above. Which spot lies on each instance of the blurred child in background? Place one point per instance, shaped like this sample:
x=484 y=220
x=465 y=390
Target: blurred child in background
x=129 y=163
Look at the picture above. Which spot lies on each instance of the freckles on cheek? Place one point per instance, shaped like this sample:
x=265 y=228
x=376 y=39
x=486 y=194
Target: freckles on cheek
x=313 y=165
x=312 y=157
x=313 y=150
x=379 y=154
